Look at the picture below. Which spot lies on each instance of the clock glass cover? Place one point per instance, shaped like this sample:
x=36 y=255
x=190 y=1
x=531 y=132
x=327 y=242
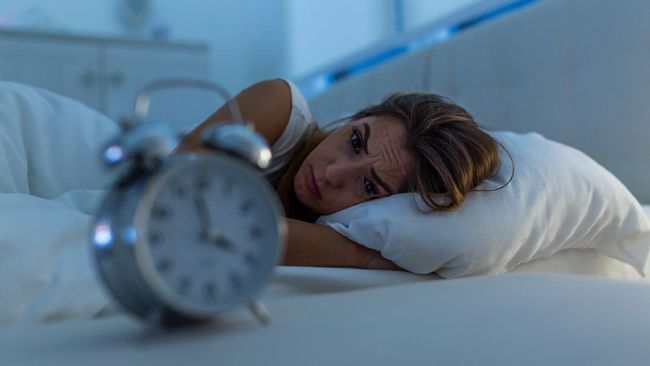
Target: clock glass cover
x=209 y=235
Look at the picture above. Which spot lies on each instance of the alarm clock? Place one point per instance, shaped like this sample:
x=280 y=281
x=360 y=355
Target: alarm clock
x=183 y=238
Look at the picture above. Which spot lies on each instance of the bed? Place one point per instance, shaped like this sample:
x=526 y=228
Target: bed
x=575 y=307
x=325 y=316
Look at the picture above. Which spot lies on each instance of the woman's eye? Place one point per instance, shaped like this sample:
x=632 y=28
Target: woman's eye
x=370 y=188
x=355 y=141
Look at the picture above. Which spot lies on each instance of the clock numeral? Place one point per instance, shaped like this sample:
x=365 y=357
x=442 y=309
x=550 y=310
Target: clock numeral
x=161 y=212
x=178 y=190
x=235 y=280
x=250 y=259
x=255 y=232
x=164 y=265
x=155 y=238
x=184 y=285
x=210 y=291
x=247 y=205
x=202 y=182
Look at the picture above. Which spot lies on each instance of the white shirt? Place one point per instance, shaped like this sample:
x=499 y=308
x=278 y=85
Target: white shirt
x=299 y=121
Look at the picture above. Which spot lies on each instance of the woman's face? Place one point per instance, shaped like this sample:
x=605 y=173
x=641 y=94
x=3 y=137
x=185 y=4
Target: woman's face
x=360 y=161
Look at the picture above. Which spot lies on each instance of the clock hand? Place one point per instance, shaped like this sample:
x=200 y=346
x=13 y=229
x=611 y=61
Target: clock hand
x=204 y=216
x=220 y=240
x=208 y=234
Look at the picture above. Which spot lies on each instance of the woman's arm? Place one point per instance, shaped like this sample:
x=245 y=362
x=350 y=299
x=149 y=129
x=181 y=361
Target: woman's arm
x=266 y=104
x=321 y=246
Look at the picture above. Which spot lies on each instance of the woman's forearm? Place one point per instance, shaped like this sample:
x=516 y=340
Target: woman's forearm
x=321 y=246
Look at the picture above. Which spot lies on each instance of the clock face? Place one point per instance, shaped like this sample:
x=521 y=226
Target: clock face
x=209 y=233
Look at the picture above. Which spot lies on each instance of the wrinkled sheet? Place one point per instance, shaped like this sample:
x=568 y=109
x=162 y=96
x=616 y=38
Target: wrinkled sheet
x=50 y=182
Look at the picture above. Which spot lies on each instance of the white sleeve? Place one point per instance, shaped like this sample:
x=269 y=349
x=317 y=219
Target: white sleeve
x=299 y=121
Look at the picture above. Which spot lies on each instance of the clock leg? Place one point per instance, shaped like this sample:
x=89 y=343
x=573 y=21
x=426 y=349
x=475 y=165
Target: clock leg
x=260 y=311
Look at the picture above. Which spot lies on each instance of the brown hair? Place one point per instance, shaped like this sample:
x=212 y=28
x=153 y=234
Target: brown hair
x=453 y=154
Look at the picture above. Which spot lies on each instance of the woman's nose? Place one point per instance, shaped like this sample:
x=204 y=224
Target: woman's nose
x=338 y=173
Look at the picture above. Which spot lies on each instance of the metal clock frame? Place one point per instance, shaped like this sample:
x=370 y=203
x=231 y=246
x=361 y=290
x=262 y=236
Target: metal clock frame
x=118 y=247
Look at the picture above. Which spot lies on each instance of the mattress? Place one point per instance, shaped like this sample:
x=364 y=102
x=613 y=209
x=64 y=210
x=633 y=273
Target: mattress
x=577 y=307
x=518 y=318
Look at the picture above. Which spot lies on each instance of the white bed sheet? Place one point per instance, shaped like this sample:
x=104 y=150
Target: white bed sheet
x=325 y=316
x=511 y=319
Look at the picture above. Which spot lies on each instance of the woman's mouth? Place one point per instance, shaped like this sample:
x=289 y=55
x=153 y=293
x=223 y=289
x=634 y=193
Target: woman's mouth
x=311 y=183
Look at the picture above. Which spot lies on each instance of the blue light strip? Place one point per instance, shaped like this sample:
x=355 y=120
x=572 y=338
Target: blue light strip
x=493 y=14
x=323 y=81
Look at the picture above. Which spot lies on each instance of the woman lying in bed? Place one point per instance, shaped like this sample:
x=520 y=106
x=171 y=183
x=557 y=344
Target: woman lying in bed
x=409 y=142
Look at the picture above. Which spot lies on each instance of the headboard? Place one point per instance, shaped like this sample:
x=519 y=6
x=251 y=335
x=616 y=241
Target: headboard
x=576 y=71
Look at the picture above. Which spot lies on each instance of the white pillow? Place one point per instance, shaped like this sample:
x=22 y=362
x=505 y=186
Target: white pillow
x=558 y=199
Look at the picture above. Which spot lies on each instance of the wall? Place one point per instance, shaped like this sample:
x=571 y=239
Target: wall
x=250 y=39
x=321 y=32
x=247 y=40
x=418 y=13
